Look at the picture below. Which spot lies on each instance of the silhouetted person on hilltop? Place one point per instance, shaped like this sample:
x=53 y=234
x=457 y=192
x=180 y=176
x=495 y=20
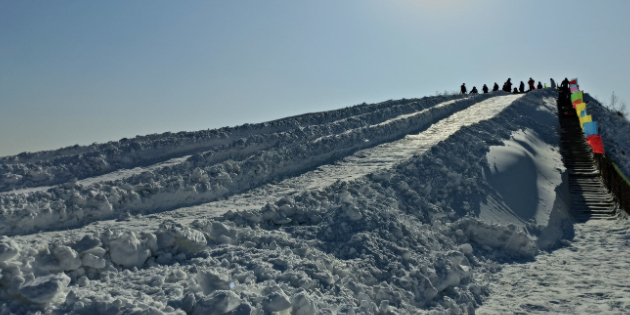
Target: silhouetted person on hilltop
x=531 y=83
x=521 y=87
x=485 y=89
x=463 y=88
x=474 y=91
x=515 y=91
x=539 y=86
x=495 y=88
x=553 y=83
x=507 y=86
x=565 y=83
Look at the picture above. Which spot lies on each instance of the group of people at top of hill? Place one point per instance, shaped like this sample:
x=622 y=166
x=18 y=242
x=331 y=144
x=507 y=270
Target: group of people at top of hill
x=507 y=87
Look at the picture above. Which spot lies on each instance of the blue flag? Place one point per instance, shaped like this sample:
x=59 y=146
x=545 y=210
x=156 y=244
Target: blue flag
x=590 y=128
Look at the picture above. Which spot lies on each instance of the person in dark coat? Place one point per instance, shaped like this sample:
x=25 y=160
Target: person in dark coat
x=521 y=87
x=495 y=88
x=485 y=89
x=515 y=91
x=553 y=83
x=474 y=91
x=507 y=86
x=531 y=83
x=463 y=88
x=539 y=86
x=565 y=83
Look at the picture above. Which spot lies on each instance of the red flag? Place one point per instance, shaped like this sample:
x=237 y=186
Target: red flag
x=576 y=102
x=596 y=144
x=574 y=81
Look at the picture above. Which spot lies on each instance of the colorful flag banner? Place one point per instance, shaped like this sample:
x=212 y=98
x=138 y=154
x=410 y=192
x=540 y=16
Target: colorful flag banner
x=590 y=128
x=573 y=85
x=573 y=81
x=574 y=89
x=596 y=144
x=577 y=96
x=580 y=107
x=584 y=120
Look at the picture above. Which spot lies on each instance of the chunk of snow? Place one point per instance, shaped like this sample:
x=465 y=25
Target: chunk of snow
x=8 y=249
x=126 y=250
x=68 y=258
x=276 y=302
x=93 y=261
x=45 y=289
x=217 y=303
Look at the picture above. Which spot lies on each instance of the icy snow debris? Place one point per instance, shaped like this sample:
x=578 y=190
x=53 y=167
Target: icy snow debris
x=403 y=239
x=212 y=280
x=510 y=239
x=87 y=243
x=8 y=249
x=126 y=250
x=93 y=261
x=218 y=303
x=186 y=238
x=45 y=289
x=276 y=302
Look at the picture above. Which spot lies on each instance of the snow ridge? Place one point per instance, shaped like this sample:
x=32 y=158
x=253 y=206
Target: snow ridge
x=59 y=166
x=200 y=178
x=402 y=240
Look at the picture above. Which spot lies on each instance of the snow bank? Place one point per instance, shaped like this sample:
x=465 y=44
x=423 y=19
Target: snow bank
x=612 y=129
x=201 y=179
x=64 y=165
x=410 y=239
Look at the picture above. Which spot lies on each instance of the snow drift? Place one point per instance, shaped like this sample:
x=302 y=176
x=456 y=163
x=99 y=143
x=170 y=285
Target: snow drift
x=412 y=236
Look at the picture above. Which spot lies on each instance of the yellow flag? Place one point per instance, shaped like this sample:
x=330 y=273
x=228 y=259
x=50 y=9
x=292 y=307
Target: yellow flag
x=580 y=107
x=584 y=120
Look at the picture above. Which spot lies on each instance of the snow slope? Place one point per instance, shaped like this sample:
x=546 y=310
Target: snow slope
x=613 y=130
x=588 y=276
x=396 y=216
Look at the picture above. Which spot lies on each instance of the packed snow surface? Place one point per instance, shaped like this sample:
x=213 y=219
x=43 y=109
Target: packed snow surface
x=401 y=207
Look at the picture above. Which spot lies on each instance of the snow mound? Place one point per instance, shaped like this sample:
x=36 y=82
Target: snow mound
x=415 y=237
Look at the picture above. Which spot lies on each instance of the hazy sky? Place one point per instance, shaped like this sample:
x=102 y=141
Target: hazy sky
x=93 y=71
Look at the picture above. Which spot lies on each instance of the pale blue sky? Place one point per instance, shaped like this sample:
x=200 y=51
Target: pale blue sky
x=93 y=71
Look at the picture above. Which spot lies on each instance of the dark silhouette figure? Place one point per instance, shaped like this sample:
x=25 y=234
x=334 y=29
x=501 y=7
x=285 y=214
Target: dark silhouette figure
x=485 y=89
x=531 y=83
x=474 y=91
x=564 y=88
x=539 y=86
x=495 y=88
x=507 y=86
x=463 y=88
x=515 y=91
x=521 y=88
x=553 y=83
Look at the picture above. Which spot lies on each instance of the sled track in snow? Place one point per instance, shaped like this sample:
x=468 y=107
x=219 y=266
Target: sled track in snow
x=41 y=169
x=589 y=197
x=203 y=178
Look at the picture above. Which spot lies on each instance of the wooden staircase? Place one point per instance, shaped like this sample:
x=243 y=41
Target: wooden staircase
x=589 y=197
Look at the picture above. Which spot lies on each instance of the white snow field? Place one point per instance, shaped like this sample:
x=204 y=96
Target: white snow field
x=588 y=276
x=402 y=207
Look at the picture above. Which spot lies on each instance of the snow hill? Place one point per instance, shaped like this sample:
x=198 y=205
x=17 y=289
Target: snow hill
x=401 y=207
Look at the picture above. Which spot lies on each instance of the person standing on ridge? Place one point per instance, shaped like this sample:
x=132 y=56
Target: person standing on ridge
x=495 y=88
x=507 y=86
x=474 y=90
x=553 y=83
x=539 y=86
x=515 y=91
x=521 y=87
x=463 y=88
x=531 y=83
x=485 y=89
x=565 y=83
